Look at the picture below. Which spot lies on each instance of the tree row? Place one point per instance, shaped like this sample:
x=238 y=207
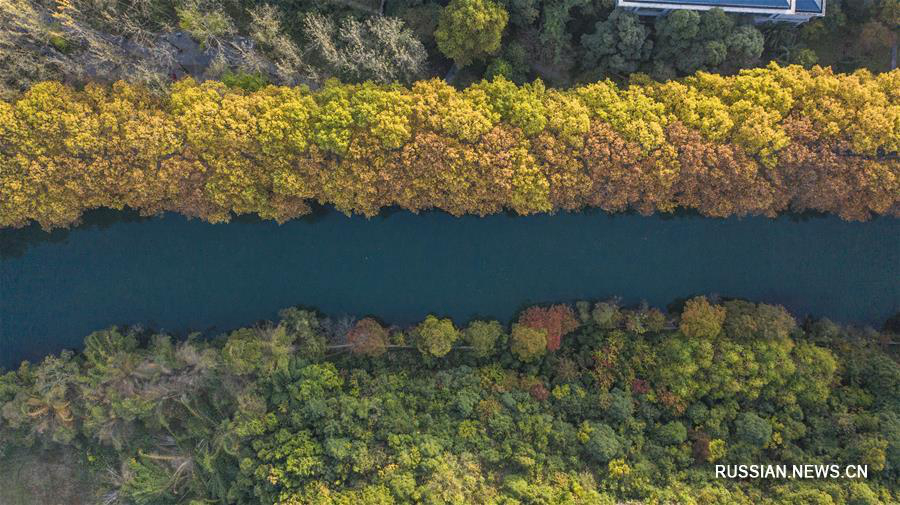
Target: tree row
x=764 y=141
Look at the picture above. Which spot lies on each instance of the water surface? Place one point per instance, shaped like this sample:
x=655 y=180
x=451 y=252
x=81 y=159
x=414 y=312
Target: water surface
x=176 y=275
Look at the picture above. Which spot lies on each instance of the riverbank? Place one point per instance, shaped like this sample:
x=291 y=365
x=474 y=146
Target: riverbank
x=591 y=403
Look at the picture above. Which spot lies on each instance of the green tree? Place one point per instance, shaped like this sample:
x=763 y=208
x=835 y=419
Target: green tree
x=258 y=350
x=603 y=444
x=48 y=406
x=752 y=429
x=607 y=315
x=619 y=44
x=715 y=24
x=435 y=337
x=621 y=406
x=470 y=29
x=812 y=380
x=745 y=46
x=151 y=481
x=692 y=41
x=700 y=319
x=672 y=433
x=861 y=494
x=554 y=32
x=528 y=343
x=483 y=336
x=677 y=30
x=749 y=321
x=305 y=328
x=523 y=13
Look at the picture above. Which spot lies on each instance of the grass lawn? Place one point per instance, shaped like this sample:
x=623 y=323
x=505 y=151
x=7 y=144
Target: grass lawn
x=45 y=477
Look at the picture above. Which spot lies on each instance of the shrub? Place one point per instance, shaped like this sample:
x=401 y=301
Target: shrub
x=245 y=81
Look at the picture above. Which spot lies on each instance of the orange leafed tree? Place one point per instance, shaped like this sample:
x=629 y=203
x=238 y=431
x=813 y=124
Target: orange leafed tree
x=368 y=337
x=556 y=320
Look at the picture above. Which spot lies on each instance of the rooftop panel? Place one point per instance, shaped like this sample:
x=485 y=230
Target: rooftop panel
x=809 y=6
x=751 y=4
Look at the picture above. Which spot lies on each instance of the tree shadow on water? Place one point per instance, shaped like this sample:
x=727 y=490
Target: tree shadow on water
x=14 y=242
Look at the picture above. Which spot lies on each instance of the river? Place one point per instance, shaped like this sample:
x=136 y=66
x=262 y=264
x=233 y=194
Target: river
x=177 y=275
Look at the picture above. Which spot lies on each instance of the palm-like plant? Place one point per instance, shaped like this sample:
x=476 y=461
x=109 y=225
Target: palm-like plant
x=47 y=406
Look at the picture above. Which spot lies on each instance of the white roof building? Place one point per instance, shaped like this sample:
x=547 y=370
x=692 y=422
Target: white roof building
x=793 y=11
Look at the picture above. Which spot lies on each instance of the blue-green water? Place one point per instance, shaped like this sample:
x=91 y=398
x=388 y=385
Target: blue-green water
x=176 y=275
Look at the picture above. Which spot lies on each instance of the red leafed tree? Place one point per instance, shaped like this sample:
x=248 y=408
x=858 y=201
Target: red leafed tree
x=368 y=337
x=557 y=320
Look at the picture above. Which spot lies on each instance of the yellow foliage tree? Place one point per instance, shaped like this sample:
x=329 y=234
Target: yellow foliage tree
x=758 y=142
